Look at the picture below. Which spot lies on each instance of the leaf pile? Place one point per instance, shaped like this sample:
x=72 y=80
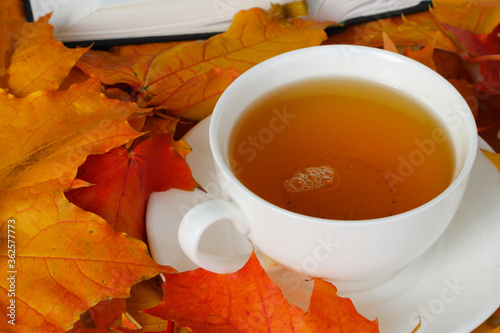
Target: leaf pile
x=88 y=135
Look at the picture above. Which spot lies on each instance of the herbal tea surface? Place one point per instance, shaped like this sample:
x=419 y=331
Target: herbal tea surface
x=342 y=150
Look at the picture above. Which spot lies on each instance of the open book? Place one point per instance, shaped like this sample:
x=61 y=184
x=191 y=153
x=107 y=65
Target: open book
x=130 y=21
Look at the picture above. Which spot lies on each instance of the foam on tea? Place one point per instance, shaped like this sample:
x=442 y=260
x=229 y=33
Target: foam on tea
x=310 y=179
x=343 y=150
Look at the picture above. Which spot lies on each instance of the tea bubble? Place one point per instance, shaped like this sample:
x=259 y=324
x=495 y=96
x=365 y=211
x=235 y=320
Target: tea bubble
x=309 y=179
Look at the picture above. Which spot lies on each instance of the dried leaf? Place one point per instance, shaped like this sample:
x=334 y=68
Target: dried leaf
x=479 y=16
x=485 y=49
x=39 y=62
x=247 y=301
x=493 y=157
x=11 y=26
x=146 y=295
x=253 y=36
x=389 y=44
x=468 y=93
x=450 y=65
x=330 y=313
x=123 y=180
x=416 y=29
x=196 y=98
x=100 y=316
x=161 y=75
x=424 y=55
x=128 y=64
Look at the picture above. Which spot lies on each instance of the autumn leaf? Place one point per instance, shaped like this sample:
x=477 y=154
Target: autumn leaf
x=493 y=157
x=479 y=16
x=38 y=61
x=342 y=317
x=253 y=36
x=156 y=75
x=416 y=29
x=146 y=295
x=248 y=301
x=100 y=316
x=389 y=44
x=196 y=98
x=450 y=65
x=123 y=179
x=11 y=25
x=127 y=64
x=484 y=49
x=425 y=55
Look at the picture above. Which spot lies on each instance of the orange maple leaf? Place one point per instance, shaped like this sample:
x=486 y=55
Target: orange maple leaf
x=485 y=49
x=122 y=181
x=479 y=16
x=100 y=316
x=426 y=55
x=38 y=61
x=156 y=73
x=248 y=301
x=493 y=157
x=416 y=29
x=11 y=24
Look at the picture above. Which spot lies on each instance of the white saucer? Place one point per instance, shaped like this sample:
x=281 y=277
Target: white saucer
x=453 y=287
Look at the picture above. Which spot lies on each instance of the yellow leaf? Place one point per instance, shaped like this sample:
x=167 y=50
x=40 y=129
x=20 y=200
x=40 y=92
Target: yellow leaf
x=39 y=62
x=493 y=157
x=11 y=25
x=480 y=16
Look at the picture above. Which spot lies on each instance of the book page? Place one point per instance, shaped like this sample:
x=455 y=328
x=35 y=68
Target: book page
x=341 y=10
x=105 y=3
x=159 y=17
x=65 y=12
x=77 y=20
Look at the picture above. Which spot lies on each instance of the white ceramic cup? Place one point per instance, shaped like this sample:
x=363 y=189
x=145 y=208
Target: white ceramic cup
x=331 y=249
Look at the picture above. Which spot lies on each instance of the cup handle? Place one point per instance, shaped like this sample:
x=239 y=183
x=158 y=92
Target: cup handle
x=194 y=224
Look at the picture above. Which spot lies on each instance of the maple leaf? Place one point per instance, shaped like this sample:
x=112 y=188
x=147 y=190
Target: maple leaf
x=425 y=55
x=450 y=65
x=38 y=61
x=156 y=75
x=493 y=157
x=122 y=181
x=344 y=318
x=416 y=29
x=11 y=24
x=248 y=301
x=126 y=64
x=477 y=16
x=485 y=49
x=100 y=316
x=146 y=295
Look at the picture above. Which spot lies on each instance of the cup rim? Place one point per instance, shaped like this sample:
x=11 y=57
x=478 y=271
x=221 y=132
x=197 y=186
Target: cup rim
x=471 y=144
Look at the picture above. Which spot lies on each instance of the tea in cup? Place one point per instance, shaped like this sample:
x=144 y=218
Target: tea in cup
x=339 y=162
